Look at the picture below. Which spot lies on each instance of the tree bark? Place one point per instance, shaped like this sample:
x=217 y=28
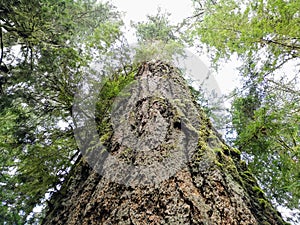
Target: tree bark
x=212 y=186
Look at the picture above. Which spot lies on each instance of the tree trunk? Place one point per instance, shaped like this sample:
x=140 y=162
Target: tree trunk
x=206 y=183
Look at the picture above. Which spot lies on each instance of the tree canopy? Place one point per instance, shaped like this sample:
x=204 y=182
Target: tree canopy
x=265 y=36
x=47 y=48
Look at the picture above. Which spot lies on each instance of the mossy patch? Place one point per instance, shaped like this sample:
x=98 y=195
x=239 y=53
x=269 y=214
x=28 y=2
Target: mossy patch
x=105 y=137
x=258 y=191
x=263 y=202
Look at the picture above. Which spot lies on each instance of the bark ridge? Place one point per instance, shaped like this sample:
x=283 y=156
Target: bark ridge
x=213 y=186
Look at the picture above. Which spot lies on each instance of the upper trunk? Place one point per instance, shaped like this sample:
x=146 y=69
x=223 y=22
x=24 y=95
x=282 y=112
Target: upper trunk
x=206 y=183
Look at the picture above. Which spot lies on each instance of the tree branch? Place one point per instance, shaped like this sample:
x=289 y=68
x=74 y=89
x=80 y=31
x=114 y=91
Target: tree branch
x=283 y=87
x=292 y=47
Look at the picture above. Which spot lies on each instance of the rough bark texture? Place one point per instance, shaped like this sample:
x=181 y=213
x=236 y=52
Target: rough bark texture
x=214 y=187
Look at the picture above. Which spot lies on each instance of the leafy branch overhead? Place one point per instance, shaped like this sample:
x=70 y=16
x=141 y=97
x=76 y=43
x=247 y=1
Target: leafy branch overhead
x=157 y=39
x=265 y=36
x=47 y=49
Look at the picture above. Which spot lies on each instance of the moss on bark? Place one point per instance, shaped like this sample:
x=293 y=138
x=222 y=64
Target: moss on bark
x=214 y=186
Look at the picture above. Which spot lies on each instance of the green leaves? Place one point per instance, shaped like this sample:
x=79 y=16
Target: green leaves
x=265 y=111
x=156 y=28
x=112 y=88
x=246 y=28
x=158 y=50
x=157 y=39
x=268 y=132
x=104 y=35
x=46 y=50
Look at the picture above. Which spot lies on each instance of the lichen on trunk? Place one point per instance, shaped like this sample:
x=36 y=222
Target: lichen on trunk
x=208 y=183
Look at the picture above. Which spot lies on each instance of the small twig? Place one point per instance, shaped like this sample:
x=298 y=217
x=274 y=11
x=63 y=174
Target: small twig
x=184 y=22
x=283 y=88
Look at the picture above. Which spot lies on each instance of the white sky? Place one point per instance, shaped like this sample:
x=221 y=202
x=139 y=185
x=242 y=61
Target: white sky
x=137 y=10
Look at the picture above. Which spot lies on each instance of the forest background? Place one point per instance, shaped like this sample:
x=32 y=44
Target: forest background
x=48 y=46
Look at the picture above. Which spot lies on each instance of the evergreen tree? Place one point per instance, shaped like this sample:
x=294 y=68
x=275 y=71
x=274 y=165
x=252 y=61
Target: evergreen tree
x=265 y=36
x=45 y=48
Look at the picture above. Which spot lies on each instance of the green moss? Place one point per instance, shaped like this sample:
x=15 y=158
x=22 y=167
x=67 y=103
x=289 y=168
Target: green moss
x=258 y=191
x=243 y=165
x=105 y=137
x=247 y=173
x=221 y=157
x=219 y=164
x=226 y=149
x=263 y=202
x=234 y=152
x=218 y=151
x=248 y=177
x=202 y=144
x=232 y=169
x=265 y=223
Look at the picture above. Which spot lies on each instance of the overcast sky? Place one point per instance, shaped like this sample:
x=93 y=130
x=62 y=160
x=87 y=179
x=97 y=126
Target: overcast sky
x=137 y=10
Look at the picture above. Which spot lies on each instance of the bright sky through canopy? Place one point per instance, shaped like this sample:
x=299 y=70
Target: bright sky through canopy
x=227 y=77
x=137 y=10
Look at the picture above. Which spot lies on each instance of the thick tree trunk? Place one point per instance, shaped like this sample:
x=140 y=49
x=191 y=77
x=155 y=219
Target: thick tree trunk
x=211 y=186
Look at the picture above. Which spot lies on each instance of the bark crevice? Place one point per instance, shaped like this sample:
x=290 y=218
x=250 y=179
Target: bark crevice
x=213 y=187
